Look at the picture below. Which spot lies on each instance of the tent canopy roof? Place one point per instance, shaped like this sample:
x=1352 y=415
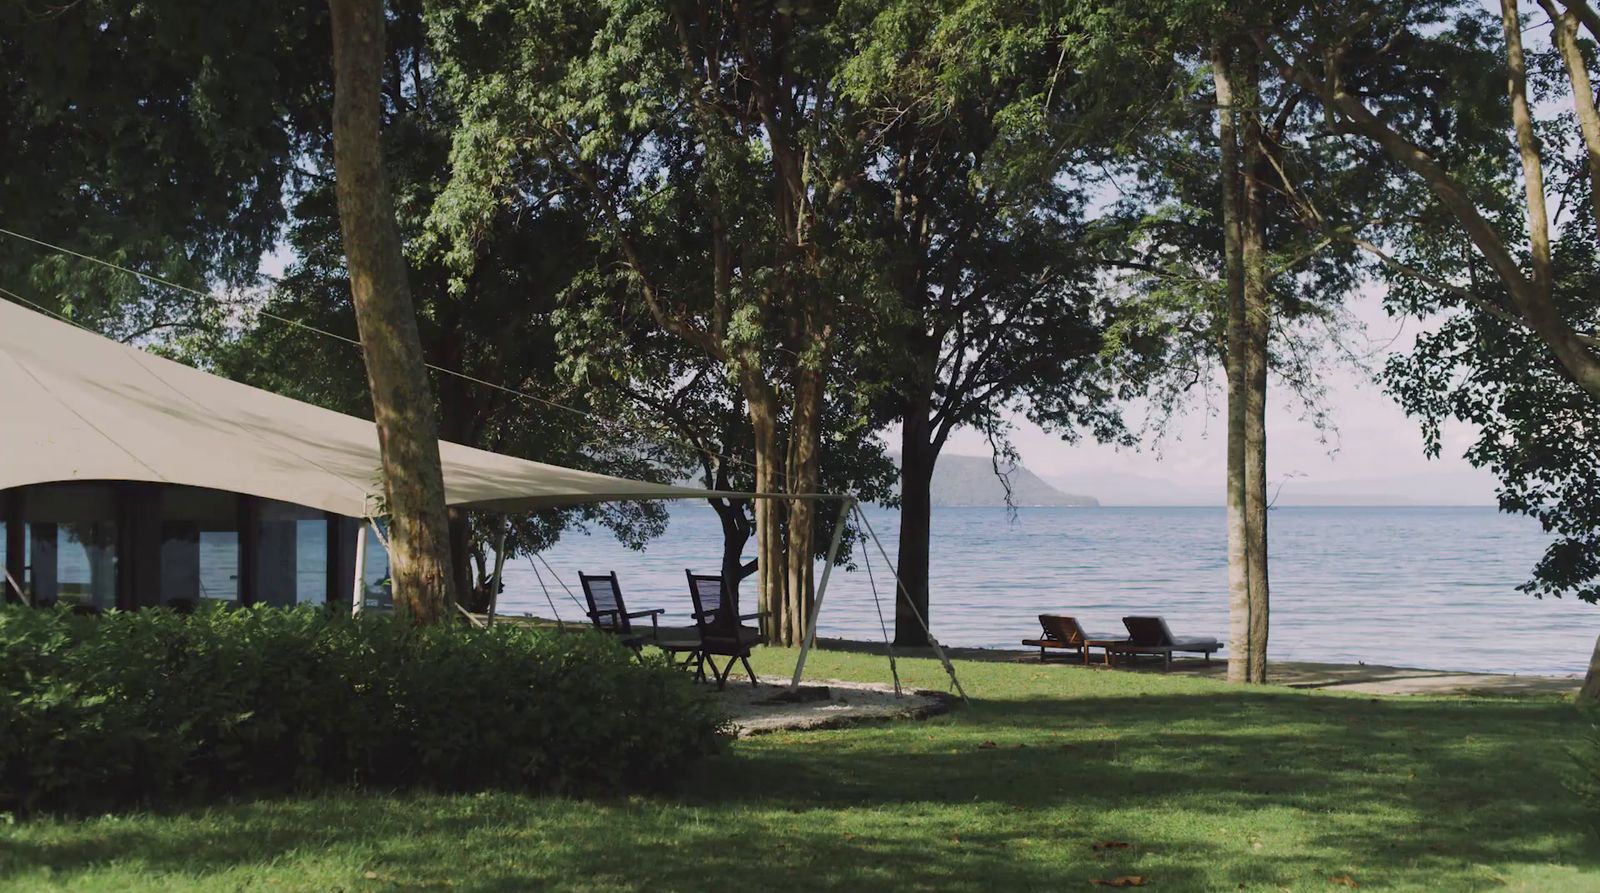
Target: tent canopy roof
x=78 y=406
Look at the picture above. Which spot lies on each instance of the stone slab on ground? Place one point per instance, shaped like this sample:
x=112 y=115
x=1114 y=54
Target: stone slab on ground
x=828 y=704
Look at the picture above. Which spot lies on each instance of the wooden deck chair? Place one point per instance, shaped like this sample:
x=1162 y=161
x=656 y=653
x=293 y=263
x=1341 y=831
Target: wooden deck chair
x=1150 y=635
x=721 y=633
x=608 y=612
x=1065 y=633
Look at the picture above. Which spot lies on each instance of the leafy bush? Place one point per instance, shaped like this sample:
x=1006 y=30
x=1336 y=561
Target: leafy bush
x=154 y=706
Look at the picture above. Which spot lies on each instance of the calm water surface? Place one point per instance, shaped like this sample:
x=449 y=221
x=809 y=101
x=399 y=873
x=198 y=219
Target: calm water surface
x=1431 y=587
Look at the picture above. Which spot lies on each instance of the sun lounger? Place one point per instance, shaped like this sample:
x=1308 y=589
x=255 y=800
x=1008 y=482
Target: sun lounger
x=1065 y=633
x=1150 y=635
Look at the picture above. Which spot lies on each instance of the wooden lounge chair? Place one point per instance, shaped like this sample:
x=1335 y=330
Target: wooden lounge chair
x=1150 y=635
x=1065 y=633
x=608 y=613
x=721 y=632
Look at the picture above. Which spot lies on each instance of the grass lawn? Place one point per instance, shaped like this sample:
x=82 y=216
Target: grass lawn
x=1053 y=778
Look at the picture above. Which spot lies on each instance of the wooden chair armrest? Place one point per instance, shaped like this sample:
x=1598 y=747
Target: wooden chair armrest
x=754 y=616
x=649 y=613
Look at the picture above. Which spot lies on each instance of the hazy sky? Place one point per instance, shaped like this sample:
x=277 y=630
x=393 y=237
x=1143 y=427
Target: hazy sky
x=1373 y=448
x=1374 y=442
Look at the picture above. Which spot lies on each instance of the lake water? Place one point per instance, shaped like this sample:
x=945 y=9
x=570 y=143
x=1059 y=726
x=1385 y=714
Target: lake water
x=1430 y=587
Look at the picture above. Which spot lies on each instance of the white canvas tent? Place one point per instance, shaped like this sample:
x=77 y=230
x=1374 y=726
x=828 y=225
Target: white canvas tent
x=76 y=406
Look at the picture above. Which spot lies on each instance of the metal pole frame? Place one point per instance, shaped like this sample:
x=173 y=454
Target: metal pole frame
x=845 y=504
x=499 y=568
x=359 y=590
x=938 y=649
x=17 y=588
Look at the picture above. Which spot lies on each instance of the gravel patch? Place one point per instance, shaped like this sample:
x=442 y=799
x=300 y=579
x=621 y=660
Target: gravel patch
x=831 y=704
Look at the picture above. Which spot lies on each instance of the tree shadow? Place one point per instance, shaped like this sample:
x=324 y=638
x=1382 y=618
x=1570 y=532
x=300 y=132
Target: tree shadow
x=1010 y=793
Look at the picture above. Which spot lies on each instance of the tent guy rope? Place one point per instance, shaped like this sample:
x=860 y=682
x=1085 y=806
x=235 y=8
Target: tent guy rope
x=317 y=330
x=255 y=428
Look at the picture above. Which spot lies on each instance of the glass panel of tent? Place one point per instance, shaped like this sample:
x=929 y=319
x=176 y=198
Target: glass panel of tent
x=199 y=546
x=185 y=547
x=292 y=568
x=375 y=583
x=71 y=545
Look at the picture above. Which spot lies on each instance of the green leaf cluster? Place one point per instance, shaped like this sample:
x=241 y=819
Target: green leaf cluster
x=155 y=707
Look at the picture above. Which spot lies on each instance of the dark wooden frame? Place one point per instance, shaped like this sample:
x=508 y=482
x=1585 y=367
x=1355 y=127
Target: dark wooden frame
x=16 y=550
x=139 y=539
x=721 y=631
x=621 y=618
x=1162 y=643
x=1061 y=631
x=249 y=548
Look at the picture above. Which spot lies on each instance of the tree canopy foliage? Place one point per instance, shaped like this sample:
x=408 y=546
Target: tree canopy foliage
x=153 y=136
x=739 y=241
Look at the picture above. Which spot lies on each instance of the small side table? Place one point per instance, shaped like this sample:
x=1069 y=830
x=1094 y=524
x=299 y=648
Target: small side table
x=1107 y=644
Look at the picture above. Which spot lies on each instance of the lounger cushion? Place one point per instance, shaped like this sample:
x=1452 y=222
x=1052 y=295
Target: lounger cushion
x=1180 y=645
x=1048 y=643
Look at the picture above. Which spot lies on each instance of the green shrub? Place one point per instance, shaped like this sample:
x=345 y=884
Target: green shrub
x=150 y=707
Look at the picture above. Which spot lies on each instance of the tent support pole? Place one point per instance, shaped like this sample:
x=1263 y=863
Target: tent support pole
x=499 y=567
x=17 y=588
x=845 y=504
x=938 y=649
x=357 y=591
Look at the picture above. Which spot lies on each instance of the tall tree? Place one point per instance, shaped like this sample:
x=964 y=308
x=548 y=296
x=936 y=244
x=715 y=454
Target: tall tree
x=1245 y=186
x=402 y=403
x=496 y=326
x=717 y=122
x=981 y=119
x=1236 y=348
x=1231 y=248
x=1502 y=241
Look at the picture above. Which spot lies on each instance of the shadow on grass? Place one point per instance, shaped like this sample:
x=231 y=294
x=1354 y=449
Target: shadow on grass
x=1006 y=793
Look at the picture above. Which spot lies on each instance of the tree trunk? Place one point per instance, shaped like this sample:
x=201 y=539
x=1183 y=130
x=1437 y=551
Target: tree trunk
x=735 y=534
x=917 y=459
x=1257 y=325
x=762 y=408
x=1589 y=695
x=461 y=561
x=1565 y=37
x=805 y=440
x=402 y=402
x=1239 y=626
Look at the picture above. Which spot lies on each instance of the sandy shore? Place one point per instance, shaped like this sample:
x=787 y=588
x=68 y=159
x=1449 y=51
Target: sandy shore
x=1362 y=678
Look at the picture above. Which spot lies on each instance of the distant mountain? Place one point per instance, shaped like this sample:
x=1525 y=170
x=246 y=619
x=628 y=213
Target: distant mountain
x=1444 y=488
x=970 y=481
x=1121 y=488
x=1441 y=488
